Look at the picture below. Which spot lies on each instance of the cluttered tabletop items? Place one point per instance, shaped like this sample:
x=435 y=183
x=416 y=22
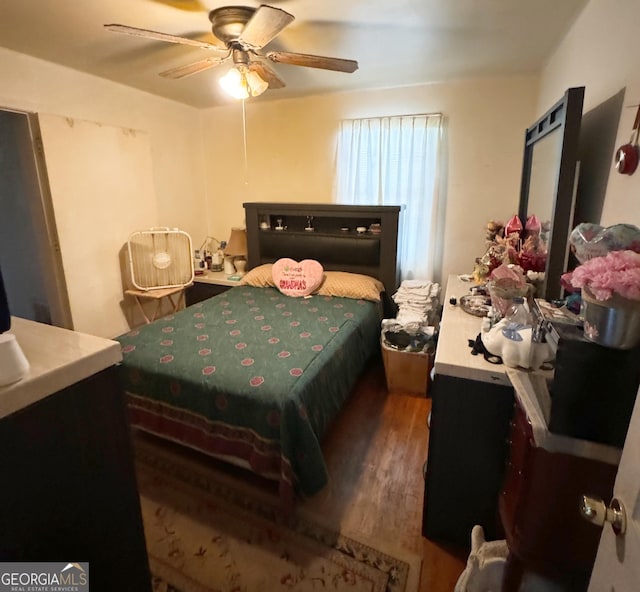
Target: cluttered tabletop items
x=460 y=327
x=523 y=330
x=509 y=334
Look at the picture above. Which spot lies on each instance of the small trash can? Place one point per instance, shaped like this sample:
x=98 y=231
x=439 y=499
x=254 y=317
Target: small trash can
x=407 y=371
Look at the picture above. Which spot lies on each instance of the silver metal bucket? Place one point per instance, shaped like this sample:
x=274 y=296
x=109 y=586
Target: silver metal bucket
x=612 y=323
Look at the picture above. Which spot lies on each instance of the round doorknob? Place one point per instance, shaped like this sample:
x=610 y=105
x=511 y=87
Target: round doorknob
x=595 y=511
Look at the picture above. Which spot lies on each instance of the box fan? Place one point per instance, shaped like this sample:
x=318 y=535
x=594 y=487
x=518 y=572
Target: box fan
x=160 y=258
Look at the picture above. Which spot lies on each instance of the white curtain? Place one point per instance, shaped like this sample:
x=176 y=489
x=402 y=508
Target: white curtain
x=396 y=161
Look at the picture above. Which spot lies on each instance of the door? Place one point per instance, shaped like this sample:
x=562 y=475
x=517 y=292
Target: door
x=617 y=565
x=29 y=251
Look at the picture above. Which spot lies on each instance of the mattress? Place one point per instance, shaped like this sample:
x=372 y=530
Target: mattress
x=252 y=376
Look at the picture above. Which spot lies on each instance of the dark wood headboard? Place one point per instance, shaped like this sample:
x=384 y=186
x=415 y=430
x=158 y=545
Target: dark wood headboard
x=336 y=248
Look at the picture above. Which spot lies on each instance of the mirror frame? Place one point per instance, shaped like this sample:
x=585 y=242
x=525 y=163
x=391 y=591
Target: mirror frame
x=565 y=116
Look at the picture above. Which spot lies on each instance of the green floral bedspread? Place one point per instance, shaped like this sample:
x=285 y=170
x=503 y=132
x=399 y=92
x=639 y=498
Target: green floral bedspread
x=251 y=374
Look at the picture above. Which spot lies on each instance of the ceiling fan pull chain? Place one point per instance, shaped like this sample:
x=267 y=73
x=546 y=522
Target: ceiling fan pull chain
x=244 y=141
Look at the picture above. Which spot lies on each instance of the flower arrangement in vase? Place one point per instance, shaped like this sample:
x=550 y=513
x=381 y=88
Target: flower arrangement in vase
x=610 y=286
x=617 y=272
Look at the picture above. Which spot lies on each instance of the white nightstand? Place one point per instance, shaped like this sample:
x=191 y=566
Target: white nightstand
x=207 y=285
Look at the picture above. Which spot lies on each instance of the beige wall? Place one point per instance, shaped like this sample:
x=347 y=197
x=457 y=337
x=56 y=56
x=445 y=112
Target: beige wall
x=97 y=202
x=176 y=171
x=199 y=176
x=291 y=152
x=598 y=53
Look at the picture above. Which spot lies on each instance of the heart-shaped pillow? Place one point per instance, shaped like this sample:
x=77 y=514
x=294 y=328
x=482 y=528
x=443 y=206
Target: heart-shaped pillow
x=592 y=240
x=295 y=278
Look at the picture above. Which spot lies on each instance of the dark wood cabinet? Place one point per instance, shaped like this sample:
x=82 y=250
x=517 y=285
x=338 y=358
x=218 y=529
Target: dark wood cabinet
x=539 y=507
x=466 y=459
x=199 y=291
x=472 y=405
x=69 y=489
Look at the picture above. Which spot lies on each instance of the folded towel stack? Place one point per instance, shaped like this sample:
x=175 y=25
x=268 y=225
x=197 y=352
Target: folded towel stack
x=417 y=301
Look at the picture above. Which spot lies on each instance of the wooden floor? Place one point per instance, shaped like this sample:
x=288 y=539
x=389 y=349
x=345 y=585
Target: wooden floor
x=375 y=452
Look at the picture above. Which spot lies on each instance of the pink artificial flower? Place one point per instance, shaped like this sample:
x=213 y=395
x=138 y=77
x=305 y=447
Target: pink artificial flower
x=618 y=272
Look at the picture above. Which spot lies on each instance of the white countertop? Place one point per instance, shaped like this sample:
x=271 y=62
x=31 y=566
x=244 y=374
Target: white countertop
x=457 y=327
x=58 y=358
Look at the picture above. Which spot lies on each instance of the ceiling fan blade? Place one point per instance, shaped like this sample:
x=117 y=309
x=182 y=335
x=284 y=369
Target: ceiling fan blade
x=265 y=23
x=313 y=61
x=268 y=74
x=193 y=68
x=189 y=5
x=148 y=34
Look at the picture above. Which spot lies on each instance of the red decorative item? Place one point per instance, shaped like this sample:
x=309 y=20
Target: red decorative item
x=533 y=225
x=627 y=156
x=514 y=226
x=531 y=261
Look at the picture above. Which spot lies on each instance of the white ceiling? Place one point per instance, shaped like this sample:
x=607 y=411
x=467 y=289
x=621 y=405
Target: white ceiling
x=396 y=42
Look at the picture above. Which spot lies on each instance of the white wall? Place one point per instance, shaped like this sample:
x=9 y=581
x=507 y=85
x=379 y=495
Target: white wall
x=102 y=189
x=199 y=175
x=291 y=152
x=599 y=53
x=177 y=163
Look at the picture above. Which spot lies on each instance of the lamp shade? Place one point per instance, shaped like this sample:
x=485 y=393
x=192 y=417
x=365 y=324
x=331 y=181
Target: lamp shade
x=235 y=84
x=237 y=245
x=242 y=83
x=256 y=83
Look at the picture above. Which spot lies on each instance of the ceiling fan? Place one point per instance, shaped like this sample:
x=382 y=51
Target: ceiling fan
x=244 y=31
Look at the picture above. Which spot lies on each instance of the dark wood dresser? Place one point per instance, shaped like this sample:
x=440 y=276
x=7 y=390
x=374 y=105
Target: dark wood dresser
x=472 y=405
x=69 y=490
x=539 y=504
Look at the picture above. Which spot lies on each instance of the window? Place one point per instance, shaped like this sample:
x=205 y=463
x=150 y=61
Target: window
x=396 y=161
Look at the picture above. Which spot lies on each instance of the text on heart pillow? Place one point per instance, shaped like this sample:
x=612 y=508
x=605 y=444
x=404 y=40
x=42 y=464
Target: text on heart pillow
x=295 y=278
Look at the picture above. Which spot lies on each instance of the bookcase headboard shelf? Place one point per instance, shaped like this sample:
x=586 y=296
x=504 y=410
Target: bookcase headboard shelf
x=357 y=239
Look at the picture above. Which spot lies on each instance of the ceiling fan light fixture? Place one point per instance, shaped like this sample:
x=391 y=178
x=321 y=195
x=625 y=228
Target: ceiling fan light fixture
x=231 y=83
x=256 y=83
x=241 y=32
x=242 y=83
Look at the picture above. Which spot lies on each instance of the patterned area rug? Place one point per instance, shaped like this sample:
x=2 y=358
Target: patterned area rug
x=205 y=534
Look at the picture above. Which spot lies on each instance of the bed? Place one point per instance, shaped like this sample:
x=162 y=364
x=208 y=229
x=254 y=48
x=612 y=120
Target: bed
x=254 y=376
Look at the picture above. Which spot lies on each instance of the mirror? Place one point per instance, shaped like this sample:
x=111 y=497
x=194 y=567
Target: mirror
x=542 y=180
x=549 y=181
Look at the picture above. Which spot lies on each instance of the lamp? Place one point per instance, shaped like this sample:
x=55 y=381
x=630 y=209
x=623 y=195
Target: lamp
x=242 y=83
x=235 y=252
